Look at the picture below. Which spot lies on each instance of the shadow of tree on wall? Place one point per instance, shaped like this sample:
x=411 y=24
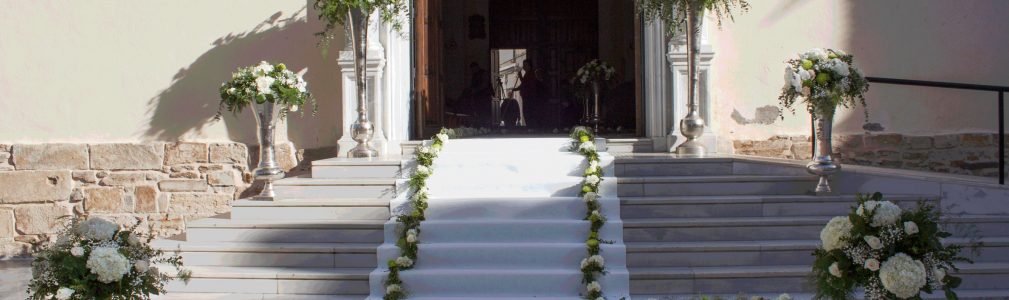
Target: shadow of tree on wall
x=190 y=103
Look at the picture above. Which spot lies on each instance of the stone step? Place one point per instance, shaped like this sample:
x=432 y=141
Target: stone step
x=244 y=296
x=530 y=208
x=714 y=185
x=762 y=253
x=502 y=281
x=511 y=231
x=774 y=279
x=465 y=165
x=671 y=165
x=747 y=205
x=285 y=231
x=532 y=146
x=976 y=294
x=524 y=186
x=350 y=168
x=313 y=188
x=311 y=209
x=272 y=280
x=629 y=145
x=305 y=255
x=512 y=255
x=776 y=228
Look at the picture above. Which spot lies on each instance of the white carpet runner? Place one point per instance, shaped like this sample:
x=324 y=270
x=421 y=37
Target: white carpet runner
x=505 y=222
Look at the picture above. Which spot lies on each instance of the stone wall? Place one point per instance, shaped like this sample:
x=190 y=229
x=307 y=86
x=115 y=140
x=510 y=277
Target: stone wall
x=158 y=185
x=965 y=153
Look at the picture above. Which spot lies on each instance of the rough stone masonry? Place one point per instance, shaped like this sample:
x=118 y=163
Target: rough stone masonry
x=158 y=185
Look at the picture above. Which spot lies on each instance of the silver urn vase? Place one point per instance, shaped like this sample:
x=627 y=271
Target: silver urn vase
x=594 y=118
x=823 y=164
x=362 y=130
x=268 y=170
x=692 y=125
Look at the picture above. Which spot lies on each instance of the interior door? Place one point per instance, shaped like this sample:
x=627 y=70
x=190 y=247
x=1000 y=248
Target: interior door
x=429 y=110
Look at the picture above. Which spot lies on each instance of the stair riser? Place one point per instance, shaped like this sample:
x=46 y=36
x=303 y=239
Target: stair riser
x=715 y=188
x=305 y=260
x=722 y=233
x=762 y=258
x=706 y=286
x=476 y=285
x=673 y=169
x=311 y=213
x=751 y=209
x=270 y=286
x=513 y=232
x=349 y=172
x=513 y=257
x=514 y=209
x=284 y=235
x=336 y=191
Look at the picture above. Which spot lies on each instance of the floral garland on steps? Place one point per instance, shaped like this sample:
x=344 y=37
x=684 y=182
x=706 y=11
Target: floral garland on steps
x=594 y=265
x=410 y=236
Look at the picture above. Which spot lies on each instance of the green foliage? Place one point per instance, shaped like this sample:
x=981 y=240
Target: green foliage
x=56 y=267
x=837 y=82
x=582 y=142
x=336 y=14
x=263 y=83
x=674 y=12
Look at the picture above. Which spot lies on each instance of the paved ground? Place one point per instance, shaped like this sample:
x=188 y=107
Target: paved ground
x=14 y=277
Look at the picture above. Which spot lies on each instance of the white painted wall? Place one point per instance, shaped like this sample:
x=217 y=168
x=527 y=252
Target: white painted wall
x=941 y=40
x=131 y=71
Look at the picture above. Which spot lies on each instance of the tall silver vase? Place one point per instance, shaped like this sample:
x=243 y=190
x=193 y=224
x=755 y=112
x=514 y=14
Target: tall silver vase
x=268 y=169
x=823 y=164
x=594 y=118
x=362 y=130
x=692 y=125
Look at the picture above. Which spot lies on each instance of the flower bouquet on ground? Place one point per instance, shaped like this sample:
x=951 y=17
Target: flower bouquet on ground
x=892 y=254
x=263 y=83
x=824 y=79
x=94 y=259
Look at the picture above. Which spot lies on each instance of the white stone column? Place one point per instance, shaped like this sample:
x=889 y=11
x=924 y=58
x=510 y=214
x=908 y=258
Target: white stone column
x=658 y=91
x=677 y=57
x=397 y=87
x=377 y=110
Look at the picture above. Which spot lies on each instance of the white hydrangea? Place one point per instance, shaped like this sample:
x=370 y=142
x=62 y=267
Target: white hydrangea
x=77 y=251
x=592 y=179
x=593 y=287
x=835 y=234
x=874 y=242
x=597 y=260
x=108 y=264
x=404 y=261
x=593 y=166
x=411 y=236
x=785 y=296
x=835 y=270
x=393 y=288
x=142 y=266
x=590 y=197
x=902 y=275
x=872 y=264
x=910 y=227
x=97 y=229
x=423 y=170
x=263 y=68
x=815 y=54
x=839 y=67
x=442 y=137
x=886 y=213
x=424 y=149
x=64 y=293
x=263 y=85
x=590 y=146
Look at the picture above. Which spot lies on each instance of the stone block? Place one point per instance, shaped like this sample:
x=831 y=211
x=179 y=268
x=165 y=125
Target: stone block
x=146 y=199
x=4 y=157
x=51 y=157
x=976 y=140
x=127 y=156
x=186 y=153
x=884 y=141
x=39 y=218
x=185 y=174
x=192 y=204
x=105 y=199
x=919 y=142
x=847 y=142
x=221 y=178
x=946 y=141
x=35 y=186
x=183 y=185
x=7 y=231
x=85 y=176
x=232 y=153
x=5 y=148
x=124 y=179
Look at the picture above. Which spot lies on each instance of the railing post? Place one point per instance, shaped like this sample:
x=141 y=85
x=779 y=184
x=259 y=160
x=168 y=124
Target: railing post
x=1001 y=137
x=812 y=135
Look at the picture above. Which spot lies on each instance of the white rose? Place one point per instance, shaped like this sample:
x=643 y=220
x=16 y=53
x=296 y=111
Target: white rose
x=141 y=266
x=77 y=251
x=393 y=288
x=910 y=227
x=404 y=261
x=442 y=137
x=108 y=264
x=796 y=81
x=835 y=270
x=411 y=238
x=423 y=170
x=596 y=213
x=263 y=85
x=263 y=68
x=590 y=146
x=294 y=108
x=939 y=274
x=597 y=260
x=424 y=149
x=584 y=263
x=592 y=179
x=872 y=264
x=873 y=242
x=594 y=287
x=64 y=293
x=590 y=197
x=902 y=275
x=834 y=235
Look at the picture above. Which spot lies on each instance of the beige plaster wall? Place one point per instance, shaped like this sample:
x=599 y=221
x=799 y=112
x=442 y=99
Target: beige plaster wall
x=958 y=41
x=138 y=71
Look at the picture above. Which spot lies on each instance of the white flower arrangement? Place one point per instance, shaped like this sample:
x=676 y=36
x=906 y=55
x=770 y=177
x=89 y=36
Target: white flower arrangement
x=824 y=79
x=594 y=265
x=882 y=248
x=590 y=197
x=593 y=287
x=96 y=259
x=263 y=83
x=594 y=71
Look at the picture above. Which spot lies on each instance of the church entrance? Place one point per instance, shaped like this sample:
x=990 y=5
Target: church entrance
x=507 y=65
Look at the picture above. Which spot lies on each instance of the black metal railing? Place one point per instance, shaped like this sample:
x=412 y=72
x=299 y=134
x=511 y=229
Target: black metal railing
x=1000 y=90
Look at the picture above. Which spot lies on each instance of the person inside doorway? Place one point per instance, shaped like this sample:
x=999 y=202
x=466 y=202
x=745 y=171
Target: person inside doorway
x=478 y=95
x=530 y=88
